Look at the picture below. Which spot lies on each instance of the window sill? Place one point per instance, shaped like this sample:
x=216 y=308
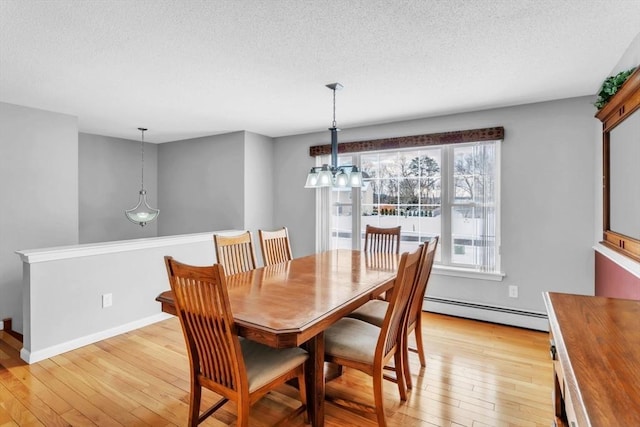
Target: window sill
x=442 y=270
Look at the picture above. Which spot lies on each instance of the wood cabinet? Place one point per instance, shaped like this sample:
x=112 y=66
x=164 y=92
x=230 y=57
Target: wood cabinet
x=595 y=347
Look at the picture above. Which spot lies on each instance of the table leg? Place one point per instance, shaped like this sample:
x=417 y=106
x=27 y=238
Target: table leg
x=315 y=380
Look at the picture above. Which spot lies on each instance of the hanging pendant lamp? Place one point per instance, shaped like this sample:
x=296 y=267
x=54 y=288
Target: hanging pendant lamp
x=142 y=213
x=334 y=175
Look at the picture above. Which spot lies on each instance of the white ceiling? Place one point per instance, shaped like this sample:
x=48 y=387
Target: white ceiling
x=188 y=68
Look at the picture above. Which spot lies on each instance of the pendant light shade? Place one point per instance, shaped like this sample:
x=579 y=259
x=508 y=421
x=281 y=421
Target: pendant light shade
x=334 y=175
x=355 y=178
x=142 y=213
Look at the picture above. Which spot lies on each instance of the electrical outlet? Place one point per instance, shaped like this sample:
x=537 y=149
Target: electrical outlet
x=513 y=291
x=107 y=300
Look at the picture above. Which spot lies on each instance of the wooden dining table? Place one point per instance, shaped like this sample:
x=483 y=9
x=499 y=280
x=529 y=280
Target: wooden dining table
x=291 y=304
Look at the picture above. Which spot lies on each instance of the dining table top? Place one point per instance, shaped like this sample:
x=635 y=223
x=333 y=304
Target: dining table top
x=285 y=304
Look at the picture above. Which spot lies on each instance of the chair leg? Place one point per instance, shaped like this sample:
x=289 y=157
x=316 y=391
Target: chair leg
x=400 y=373
x=405 y=363
x=379 y=398
x=407 y=370
x=419 y=344
x=194 y=403
x=243 y=413
x=303 y=395
x=406 y=366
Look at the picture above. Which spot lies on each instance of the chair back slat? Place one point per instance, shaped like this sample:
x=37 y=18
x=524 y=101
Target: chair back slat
x=275 y=246
x=381 y=261
x=377 y=239
x=202 y=304
x=392 y=326
x=236 y=253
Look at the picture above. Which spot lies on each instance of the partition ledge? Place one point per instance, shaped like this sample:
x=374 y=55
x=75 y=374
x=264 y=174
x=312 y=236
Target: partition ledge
x=31 y=256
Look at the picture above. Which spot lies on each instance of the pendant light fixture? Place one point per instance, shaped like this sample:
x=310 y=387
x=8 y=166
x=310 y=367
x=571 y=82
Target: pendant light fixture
x=142 y=213
x=334 y=175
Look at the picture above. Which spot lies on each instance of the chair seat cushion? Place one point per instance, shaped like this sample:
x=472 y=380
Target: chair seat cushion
x=352 y=339
x=265 y=363
x=372 y=312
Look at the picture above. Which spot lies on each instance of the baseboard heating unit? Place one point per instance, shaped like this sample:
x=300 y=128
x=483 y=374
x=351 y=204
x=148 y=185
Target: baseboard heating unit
x=489 y=313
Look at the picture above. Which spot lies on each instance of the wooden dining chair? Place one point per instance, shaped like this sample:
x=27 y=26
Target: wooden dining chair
x=382 y=240
x=238 y=370
x=275 y=246
x=374 y=311
x=236 y=253
x=377 y=239
x=368 y=348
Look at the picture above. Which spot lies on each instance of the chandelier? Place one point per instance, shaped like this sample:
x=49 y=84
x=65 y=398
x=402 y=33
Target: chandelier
x=333 y=175
x=142 y=213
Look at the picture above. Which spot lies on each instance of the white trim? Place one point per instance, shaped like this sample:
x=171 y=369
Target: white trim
x=31 y=256
x=1 y=325
x=447 y=168
x=498 y=202
x=519 y=318
x=36 y=356
x=627 y=263
x=445 y=270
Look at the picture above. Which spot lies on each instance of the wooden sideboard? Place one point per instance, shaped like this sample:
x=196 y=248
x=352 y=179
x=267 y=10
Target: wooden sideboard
x=595 y=346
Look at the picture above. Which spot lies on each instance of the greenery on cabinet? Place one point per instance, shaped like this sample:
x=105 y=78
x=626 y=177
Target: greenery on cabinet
x=610 y=86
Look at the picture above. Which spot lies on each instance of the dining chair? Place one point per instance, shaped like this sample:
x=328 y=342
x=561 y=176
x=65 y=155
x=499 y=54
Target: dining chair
x=236 y=253
x=368 y=348
x=382 y=240
x=378 y=239
x=275 y=246
x=374 y=311
x=242 y=371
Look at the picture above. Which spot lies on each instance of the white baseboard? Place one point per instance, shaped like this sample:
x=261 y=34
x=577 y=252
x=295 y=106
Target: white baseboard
x=36 y=356
x=1 y=325
x=503 y=315
x=519 y=318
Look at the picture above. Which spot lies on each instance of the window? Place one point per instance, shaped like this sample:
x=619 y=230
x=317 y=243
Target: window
x=450 y=190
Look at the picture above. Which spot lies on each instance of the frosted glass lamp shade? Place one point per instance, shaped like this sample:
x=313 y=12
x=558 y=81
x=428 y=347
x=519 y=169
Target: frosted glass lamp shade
x=325 y=177
x=312 y=180
x=342 y=179
x=355 y=178
x=142 y=213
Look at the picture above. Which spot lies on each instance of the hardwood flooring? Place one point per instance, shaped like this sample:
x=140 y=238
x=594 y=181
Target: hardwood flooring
x=478 y=374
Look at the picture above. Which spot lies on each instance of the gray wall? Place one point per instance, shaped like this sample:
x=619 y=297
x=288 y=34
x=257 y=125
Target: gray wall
x=109 y=182
x=201 y=184
x=547 y=197
x=38 y=189
x=258 y=181
x=630 y=58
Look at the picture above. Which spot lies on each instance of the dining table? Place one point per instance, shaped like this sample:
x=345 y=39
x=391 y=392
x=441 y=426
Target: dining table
x=291 y=304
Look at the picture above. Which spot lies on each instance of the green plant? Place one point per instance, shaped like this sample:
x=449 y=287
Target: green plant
x=610 y=86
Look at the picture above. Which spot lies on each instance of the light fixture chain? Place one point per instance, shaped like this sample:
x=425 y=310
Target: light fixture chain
x=334 y=109
x=142 y=156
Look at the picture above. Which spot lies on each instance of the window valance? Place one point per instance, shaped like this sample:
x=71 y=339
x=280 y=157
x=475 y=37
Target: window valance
x=454 y=137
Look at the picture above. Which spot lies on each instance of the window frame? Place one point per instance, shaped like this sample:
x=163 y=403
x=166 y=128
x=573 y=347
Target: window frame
x=445 y=266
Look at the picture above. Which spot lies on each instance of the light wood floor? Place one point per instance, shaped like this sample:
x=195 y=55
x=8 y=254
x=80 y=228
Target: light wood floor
x=477 y=374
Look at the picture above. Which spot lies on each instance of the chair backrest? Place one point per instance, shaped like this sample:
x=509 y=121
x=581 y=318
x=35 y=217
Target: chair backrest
x=420 y=287
x=202 y=304
x=275 y=246
x=236 y=253
x=392 y=326
x=377 y=239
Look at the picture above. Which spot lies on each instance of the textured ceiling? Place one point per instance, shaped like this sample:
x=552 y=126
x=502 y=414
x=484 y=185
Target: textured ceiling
x=188 y=68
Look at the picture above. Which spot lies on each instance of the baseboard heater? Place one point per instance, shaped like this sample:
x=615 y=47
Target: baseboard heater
x=489 y=313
